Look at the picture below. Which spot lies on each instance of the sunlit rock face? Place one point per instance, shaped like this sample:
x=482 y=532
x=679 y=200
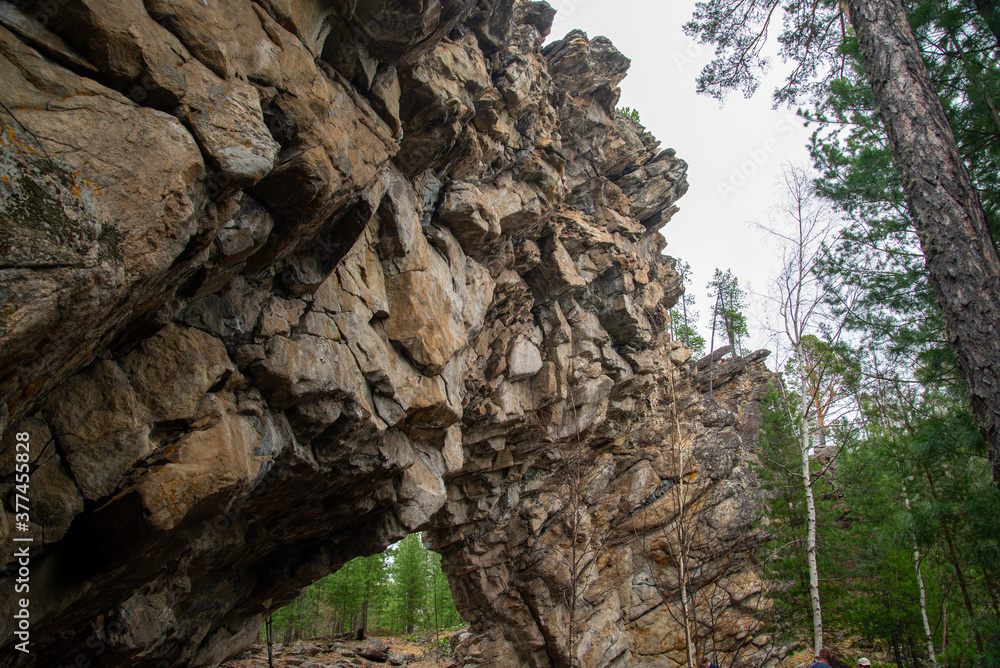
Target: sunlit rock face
x=283 y=281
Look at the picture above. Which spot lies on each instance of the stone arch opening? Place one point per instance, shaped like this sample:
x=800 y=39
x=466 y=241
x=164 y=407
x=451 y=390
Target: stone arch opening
x=400 y=594
x=353 y=332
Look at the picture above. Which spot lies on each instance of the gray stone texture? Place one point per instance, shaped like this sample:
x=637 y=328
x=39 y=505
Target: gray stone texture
x=283 y=281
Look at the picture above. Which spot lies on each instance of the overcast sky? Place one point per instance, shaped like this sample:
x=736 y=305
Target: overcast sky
x=735 y=151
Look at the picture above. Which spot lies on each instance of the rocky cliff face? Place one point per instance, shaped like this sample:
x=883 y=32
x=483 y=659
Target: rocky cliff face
x=283 y=281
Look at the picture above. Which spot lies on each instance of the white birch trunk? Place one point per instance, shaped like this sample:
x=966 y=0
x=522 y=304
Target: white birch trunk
x=817 y=612
x=923 y=608
x=923 y=597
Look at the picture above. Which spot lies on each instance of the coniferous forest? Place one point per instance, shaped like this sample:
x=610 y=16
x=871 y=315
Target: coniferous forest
x=284 y=282
x=882 y=505
x=882 y=508
x=399 y=592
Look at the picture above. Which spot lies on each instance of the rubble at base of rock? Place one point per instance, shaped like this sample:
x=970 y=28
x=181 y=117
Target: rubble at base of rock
x=283 y=282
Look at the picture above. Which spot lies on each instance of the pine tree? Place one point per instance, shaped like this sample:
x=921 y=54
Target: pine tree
x=729 y=302
x=960 y=253
x=369 y=594
x=374 y=589
x=684 y=316
x=409 y=578
x=441 y=610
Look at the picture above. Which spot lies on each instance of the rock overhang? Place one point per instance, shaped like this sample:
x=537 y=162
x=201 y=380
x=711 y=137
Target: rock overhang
x=376 y=271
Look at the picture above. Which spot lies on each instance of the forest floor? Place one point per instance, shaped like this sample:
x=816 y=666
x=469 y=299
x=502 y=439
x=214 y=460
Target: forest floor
x=327 y=653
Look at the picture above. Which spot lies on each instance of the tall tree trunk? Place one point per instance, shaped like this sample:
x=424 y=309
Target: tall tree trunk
x=929 y=637
x=817 y=612
x=912 y=652
x=270 y=640
x=316 y=619
x=961 y=257
x=944 y=626
x=683 y=538
x=437 y=624
x=962 y=586
x=343 y=607
x=895 y=649
x=959 y=574
x=367 y=597
x=820 y=427
x=988 y=579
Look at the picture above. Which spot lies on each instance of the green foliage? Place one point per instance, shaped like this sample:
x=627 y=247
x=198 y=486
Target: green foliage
x=729 y=302
x=440 y=608
x=928 y=450
x=918 y=427
x=922 y=448
x=878 y=257
x=356 y=593
x=400 y=591
x=629 y=112
x=738 y=29
x=409 y=577
x=784 y=557
x=911 y=477
x=684 y=316
x=443 y=647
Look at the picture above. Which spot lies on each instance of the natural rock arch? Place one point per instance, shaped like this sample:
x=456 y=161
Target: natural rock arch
x=307 y=278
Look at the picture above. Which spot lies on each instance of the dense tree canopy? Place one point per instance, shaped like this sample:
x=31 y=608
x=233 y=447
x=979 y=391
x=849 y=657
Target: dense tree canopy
x=400 y=591
x=824 y=39
x=906 y=514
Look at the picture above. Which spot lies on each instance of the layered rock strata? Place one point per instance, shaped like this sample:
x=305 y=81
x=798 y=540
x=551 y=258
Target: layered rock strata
x=283 y=281
x=585 y=554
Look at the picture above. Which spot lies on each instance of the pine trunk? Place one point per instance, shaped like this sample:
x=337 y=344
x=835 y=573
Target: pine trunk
x=988 y=579
x=959 y=573
x=960 y=253
x=944 y=626
x=897 y=654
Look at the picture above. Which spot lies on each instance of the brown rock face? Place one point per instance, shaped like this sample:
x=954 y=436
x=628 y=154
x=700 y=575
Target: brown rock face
x=282 y=281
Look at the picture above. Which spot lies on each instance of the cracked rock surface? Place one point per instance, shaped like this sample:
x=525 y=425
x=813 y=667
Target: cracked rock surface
x=282 y=281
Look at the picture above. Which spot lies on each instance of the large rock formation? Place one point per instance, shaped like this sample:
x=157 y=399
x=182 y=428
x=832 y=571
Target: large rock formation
x=583 y=553
x=285 y=280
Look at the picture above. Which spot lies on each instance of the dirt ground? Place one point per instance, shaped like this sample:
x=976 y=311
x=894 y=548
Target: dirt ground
x=327 y=653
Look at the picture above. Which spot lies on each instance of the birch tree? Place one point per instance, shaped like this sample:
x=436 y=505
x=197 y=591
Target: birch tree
x=928 y=635
x=806 y=226
x=729 y=302
x=684 y=316
x=959 y=251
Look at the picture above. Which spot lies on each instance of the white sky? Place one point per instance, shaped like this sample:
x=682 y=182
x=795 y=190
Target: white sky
x=735 y=152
